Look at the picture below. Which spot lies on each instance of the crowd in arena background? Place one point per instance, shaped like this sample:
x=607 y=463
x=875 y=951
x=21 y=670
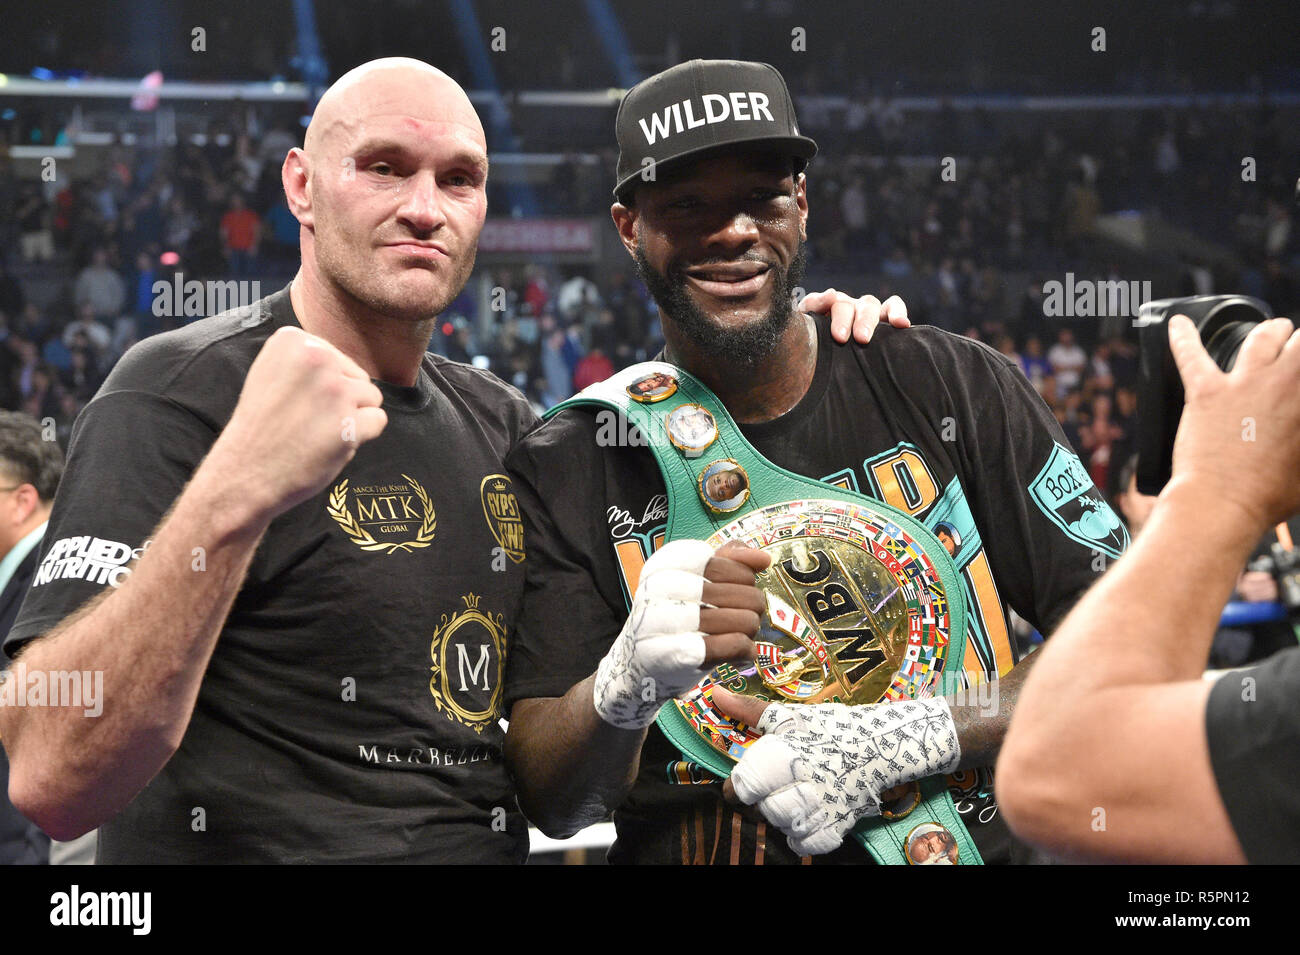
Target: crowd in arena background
x=80 y=257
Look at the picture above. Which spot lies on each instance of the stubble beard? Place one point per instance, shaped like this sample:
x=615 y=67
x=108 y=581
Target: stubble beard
x=380 y=292
x=746 y=345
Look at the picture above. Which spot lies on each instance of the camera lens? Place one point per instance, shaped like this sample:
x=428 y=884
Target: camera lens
x=1224 y=329
x=1223 y=322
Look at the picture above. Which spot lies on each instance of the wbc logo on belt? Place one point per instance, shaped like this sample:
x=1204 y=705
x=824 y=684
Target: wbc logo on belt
x=856 y=613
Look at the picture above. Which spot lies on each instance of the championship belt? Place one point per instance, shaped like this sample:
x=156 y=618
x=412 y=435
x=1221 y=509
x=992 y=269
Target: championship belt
x=864 y=604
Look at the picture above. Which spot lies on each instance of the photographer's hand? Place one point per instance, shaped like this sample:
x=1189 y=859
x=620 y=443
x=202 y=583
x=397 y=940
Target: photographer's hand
x=1111 y=726
x=1239 y=439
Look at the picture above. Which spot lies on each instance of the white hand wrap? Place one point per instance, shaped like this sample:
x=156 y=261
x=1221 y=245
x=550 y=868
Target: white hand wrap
x=661 y=649
x=819 y=769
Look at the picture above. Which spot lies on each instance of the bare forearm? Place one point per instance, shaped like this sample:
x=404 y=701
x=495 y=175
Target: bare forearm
x=1114 y=716
x=983 y=713
x=152 y=639
x=571 y=767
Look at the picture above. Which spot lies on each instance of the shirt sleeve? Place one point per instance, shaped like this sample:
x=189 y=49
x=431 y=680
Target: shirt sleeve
x=130 y=456
x=1252 y=726
x=573 y=606
x=1049 y=531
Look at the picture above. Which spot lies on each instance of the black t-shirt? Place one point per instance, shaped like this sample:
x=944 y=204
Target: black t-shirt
x=350 y=710
x=939 y=426
x=1253 y=726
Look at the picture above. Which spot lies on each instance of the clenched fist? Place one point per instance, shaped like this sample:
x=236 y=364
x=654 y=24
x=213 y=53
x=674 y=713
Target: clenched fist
x=821 y=768
x=1239 y=437
x=694 y=609
x=304 y=410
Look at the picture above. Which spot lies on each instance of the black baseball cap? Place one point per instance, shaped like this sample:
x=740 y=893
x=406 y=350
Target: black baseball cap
x=700 y=107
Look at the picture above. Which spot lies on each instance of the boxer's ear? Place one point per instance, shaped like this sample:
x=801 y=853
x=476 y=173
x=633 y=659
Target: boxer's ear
x=295 y=176
x=625 y=220
x=801 y=198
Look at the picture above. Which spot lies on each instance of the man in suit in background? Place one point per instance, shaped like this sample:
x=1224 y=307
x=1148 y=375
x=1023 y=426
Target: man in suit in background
x=30 y=468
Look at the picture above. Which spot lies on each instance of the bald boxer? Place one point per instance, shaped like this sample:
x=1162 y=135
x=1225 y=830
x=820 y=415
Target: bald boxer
x=298 y=483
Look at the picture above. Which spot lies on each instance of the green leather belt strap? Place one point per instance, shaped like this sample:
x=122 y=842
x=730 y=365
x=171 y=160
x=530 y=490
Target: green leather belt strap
x=663 y=389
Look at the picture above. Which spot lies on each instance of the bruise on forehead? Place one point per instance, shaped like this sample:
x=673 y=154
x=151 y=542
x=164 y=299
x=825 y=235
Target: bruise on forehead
x=394 y=86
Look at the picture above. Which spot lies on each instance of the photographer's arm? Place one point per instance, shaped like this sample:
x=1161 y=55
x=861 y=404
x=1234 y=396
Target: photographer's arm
x=1108 y=756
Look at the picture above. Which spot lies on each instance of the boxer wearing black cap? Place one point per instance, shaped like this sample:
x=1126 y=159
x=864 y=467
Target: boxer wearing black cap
x=711 y=203
x=678 y=116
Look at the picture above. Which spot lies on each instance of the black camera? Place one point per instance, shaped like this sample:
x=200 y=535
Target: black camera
x=1224 y=321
